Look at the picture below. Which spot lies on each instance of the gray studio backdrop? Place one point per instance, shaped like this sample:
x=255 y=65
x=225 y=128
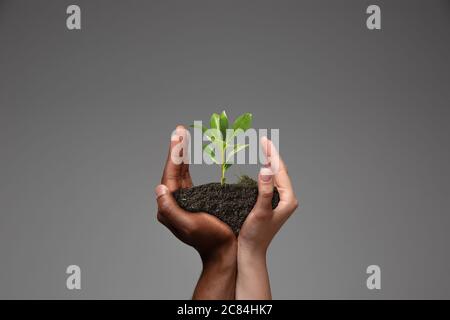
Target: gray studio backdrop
x=85 y=119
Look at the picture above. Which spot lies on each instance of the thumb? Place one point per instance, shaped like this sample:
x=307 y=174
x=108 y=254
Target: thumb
x=265 y=190
x=168 y=209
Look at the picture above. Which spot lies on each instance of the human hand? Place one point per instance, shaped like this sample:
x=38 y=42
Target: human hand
x=213 y=239
x=262 y=224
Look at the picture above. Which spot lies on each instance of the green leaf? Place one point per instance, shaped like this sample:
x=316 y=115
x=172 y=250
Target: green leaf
x=215 y=150
x=234 y=134
x=210 y=152
x=243 y=122
x=227 y=166
x=220 y=149
x=213 y=135
x=235 y=150
x=215 y=121
x=223 y=124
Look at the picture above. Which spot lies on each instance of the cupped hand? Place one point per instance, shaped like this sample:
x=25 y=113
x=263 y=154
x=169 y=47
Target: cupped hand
x=208 y=235
x=263 y=222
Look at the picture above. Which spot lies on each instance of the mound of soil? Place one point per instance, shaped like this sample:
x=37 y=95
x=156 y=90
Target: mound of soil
x=231 y=203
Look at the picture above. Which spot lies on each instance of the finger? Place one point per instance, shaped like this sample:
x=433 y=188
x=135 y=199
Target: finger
x=288 y=201
x=277 y=165
x=284 y=210
x=265 y=191
x=273 y=157
x=186 y=181
x=175 y=169
x=168 y=210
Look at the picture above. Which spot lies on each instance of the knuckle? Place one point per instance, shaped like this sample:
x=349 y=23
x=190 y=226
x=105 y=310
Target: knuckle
x=267 y=194
x=294 y=204
x=164 y=206
x=262 y=215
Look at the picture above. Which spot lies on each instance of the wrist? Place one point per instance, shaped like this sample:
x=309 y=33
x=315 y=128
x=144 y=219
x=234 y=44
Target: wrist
x=218 y=278
x=223 y=258
x=252 y=276
x=247 y=251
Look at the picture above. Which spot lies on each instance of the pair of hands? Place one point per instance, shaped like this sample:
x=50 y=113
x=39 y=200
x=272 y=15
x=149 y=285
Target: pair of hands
x=233 y=267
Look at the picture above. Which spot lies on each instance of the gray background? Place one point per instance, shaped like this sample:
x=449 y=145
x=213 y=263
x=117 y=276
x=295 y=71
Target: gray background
x=85 y=119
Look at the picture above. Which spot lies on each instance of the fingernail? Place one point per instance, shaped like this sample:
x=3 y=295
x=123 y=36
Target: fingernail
x=160 y=190
x=266 y=174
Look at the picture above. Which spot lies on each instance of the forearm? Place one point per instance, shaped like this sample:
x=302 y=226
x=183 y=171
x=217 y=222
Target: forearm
x=252 y=281
x=218 y=278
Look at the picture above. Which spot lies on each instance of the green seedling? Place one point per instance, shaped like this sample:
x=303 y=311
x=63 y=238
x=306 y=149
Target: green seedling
x=220 y=147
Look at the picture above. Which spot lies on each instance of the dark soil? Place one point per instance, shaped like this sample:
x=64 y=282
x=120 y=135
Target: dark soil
x=231 y=203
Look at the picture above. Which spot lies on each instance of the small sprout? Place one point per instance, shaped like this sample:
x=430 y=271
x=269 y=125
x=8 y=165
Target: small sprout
x=220 y=148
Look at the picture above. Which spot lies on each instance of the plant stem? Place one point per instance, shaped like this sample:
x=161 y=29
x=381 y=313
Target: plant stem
x=222 y=178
